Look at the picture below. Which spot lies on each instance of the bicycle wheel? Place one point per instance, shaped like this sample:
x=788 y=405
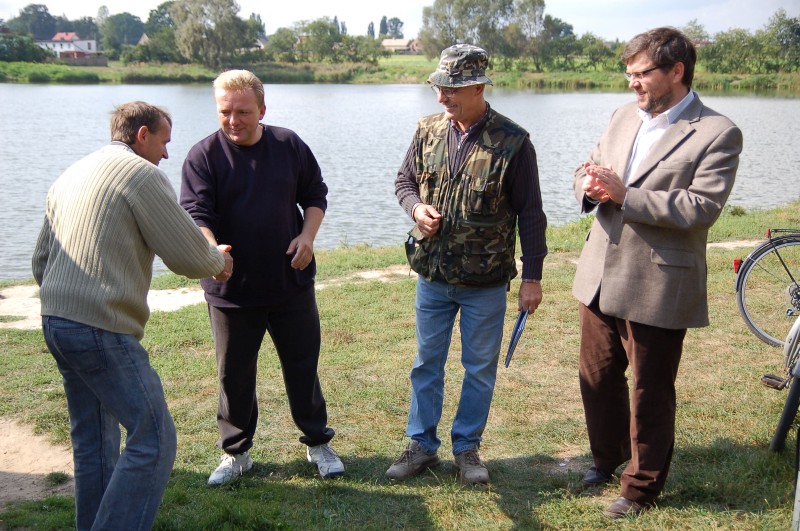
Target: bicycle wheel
x=791 y=352
x=767 y=289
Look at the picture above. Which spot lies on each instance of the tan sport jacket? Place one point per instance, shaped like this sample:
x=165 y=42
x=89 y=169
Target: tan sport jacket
x=647 y=258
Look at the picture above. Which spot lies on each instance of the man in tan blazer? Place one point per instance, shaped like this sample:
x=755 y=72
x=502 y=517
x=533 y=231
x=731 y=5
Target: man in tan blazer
x=657 y=180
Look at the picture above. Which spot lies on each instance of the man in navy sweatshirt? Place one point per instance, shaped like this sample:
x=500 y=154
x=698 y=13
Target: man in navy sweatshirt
x=259 y=189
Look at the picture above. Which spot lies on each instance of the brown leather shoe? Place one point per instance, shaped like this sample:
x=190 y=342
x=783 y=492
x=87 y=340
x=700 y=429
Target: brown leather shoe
x=470 y=467
x=623 y=507
x=411 y=462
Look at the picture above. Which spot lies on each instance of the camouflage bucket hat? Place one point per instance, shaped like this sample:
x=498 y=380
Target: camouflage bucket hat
x=461 y=65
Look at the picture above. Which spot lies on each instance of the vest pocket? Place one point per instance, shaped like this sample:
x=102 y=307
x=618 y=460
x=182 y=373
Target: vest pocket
x=429 y=185
x=482 y=252
x=419 y=252
x=481 y=197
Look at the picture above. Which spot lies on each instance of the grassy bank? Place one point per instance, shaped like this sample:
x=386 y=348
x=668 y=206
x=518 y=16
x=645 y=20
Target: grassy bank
x=395 y=69
x=723 y=475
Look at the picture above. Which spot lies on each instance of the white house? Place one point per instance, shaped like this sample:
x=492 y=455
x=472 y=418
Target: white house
x=67 y=44
x=404 y=46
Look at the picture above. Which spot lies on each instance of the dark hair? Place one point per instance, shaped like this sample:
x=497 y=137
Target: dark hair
x=129 y=117
x=665 y=46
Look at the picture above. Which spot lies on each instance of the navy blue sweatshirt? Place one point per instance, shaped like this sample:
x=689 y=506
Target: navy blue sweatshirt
x=253 y=198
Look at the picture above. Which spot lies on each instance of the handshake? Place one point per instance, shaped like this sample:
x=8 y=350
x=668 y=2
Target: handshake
x=225 y=274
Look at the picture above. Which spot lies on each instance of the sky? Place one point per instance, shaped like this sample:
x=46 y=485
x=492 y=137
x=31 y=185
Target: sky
x=609 y=19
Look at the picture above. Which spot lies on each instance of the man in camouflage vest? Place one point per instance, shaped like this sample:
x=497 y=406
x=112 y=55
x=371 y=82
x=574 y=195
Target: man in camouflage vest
x=468 y=179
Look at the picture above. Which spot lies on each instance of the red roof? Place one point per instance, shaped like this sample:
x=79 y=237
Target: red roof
x=66 y=36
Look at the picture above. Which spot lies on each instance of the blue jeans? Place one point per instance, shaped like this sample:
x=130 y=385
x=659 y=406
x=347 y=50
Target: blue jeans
x=481 y=325
x=108 y=381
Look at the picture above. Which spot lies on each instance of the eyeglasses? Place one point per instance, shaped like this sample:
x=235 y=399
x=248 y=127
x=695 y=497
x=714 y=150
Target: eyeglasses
x=636 y=76
x=447 y=91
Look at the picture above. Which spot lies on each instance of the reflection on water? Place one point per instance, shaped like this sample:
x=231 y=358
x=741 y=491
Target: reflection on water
x=359 y=134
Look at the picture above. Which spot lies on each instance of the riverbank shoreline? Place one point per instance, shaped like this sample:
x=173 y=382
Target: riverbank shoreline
x=392 y=70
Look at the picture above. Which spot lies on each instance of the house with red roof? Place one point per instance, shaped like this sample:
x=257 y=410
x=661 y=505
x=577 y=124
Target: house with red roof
x=67 y=45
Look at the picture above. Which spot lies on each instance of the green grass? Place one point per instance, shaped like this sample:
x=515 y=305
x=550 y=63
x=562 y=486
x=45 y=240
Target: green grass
x=723 y=475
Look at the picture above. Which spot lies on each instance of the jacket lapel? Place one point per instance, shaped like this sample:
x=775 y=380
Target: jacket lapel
x=624 y=138
x=673 y=136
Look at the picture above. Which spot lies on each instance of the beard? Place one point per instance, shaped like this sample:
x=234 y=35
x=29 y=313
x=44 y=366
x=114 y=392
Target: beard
x=656 y=105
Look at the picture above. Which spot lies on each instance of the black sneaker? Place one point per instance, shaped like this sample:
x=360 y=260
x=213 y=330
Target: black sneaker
x=594 y=477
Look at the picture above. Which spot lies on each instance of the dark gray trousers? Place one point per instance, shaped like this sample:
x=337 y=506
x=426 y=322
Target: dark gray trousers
x=295 y=331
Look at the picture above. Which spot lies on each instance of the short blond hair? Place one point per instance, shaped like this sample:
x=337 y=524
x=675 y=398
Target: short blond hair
x=241 y=80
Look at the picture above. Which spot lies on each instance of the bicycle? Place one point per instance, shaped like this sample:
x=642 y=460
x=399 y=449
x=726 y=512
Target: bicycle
x=791 y=353
x=768 y=285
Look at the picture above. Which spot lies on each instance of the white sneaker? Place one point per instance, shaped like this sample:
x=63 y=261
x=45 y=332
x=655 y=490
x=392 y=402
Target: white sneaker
x=325 y=458
x=230 y=467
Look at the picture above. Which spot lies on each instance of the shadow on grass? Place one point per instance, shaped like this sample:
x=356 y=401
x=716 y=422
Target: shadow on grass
x=722 y=482
x=271 y=496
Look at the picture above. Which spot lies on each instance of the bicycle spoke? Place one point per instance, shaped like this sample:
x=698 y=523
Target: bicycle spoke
x=769 y=290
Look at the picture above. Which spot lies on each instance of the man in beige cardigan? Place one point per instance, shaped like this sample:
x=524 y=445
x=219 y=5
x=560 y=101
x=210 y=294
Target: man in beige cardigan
x=106 y=217
x=658 y=179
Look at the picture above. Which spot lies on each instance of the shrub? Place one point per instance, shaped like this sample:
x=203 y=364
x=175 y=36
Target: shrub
x=72 y=76
x=38 y=77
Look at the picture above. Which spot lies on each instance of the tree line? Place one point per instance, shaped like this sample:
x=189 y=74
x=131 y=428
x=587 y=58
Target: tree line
x=521 y=36
x=207 y=32
x=518 y=33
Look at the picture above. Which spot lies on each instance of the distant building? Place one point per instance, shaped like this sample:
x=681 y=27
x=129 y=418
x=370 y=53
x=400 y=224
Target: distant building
x=401 y=46
x=67 y=45
x=260 y=44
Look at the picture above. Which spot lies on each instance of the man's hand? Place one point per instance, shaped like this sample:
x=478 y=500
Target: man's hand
x=603 y=184
x=227 y=272
x=592 y=187
x=427 y=219
x=530 y=296
x=302 y=248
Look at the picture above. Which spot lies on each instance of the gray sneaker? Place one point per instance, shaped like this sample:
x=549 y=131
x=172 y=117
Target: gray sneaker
x=230 y=467
x=328 y=463
x=411 y=462
x=470 y=467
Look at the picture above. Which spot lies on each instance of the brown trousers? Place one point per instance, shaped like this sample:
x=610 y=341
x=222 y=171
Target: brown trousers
x=637 y=425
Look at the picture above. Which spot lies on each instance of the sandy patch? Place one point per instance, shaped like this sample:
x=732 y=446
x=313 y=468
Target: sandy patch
x=25 y=461
x=736 y=244
x=22 y=304
x=381 y=275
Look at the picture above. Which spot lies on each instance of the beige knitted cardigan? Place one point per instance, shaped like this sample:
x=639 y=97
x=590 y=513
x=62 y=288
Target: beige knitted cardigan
x=106 y=217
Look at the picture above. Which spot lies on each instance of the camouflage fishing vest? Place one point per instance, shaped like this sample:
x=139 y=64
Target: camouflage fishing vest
x=475 y=242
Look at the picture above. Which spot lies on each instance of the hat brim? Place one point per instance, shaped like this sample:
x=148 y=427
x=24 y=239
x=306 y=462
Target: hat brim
x=441 y=79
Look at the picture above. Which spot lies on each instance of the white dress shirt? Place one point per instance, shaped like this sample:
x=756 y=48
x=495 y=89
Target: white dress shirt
x=652 y=130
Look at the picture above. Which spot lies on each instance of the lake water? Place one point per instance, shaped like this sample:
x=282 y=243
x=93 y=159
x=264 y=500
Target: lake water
x=359 y=134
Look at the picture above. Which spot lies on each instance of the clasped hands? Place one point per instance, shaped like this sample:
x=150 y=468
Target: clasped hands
x=602 y=184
